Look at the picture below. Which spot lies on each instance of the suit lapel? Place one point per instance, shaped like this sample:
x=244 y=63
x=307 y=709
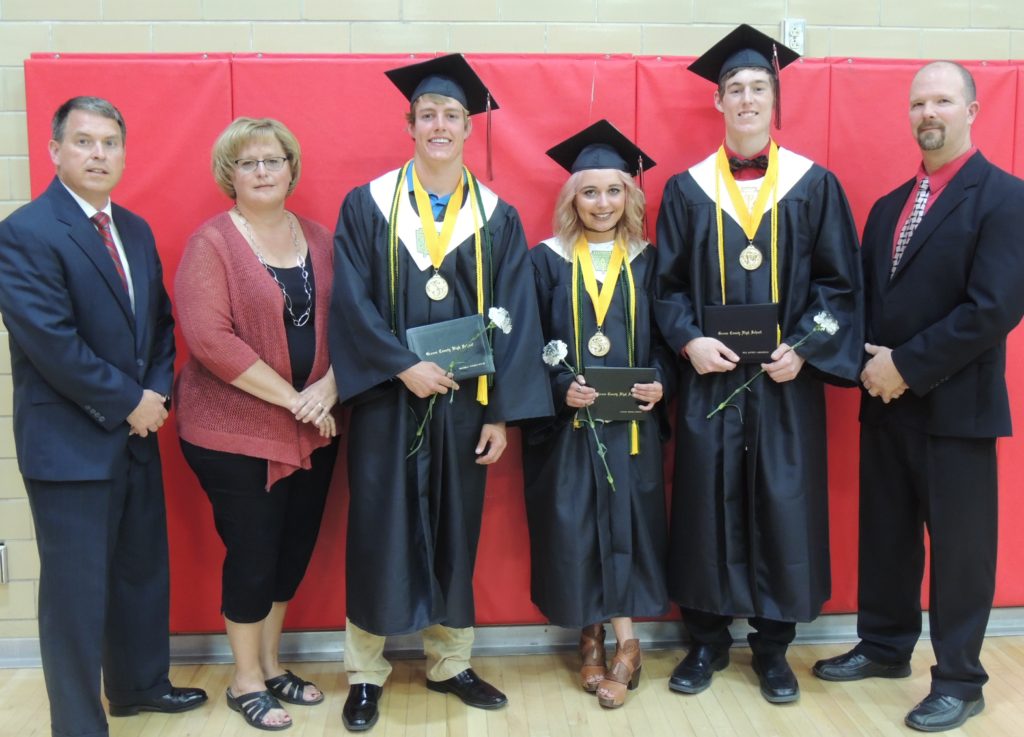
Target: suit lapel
x=132 y=242
x=949 y=200
x=84 y=234
x=883 y=264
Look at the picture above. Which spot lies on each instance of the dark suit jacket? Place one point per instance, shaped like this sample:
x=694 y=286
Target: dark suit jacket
x=958 y=291
x=79 y=357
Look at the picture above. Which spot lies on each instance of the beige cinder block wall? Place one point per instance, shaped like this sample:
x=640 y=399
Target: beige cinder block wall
x=960 y=29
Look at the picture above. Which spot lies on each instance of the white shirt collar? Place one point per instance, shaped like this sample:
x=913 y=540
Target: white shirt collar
x=87 y=208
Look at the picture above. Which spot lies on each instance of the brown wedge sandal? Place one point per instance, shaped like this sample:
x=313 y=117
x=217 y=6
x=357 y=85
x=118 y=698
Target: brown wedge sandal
x=592 y=657
x=624 y=674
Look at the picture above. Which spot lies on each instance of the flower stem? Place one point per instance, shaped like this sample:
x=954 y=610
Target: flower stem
x=727 y=402
x=417 y=442
x=602 y=449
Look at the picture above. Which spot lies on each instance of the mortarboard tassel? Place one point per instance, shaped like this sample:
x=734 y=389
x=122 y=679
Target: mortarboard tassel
x=640 y=176
x=778 y=87
x=490 y=166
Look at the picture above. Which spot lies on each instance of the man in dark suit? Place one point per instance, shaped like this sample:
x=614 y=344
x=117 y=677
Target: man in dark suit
x=92 y=358
x=943 y=273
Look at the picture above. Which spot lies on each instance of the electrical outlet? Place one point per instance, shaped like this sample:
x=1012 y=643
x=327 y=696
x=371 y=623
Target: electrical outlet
x=794 y=33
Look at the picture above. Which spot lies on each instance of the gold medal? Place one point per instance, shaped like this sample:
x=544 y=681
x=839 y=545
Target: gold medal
x=437 y=287
x=599 y=345
x=751 y=258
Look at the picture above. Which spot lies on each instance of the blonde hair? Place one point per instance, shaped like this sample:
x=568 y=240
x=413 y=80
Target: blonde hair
x=568 y=227
x=410 y=117
x=239 y=134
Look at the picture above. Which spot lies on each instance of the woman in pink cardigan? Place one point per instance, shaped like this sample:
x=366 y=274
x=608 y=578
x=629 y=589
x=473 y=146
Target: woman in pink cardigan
x=254 y=401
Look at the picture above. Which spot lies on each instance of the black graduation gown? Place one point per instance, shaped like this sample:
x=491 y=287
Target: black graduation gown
x=414 y=522
x=749 y=520
x=595 y=553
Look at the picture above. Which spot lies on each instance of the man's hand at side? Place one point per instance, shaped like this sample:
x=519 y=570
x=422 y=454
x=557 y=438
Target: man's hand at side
x=149 y=414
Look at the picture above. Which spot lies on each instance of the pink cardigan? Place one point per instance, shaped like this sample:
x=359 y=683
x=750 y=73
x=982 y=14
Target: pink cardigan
x=230 y=312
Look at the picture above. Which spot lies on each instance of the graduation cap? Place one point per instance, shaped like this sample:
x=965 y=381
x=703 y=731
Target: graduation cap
x=600 y=146
x=745 y=46
x=451 y=76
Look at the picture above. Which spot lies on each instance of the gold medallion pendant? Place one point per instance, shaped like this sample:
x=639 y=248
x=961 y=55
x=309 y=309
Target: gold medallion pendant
x=599 y=345
x=751 y=258
x=437 y=287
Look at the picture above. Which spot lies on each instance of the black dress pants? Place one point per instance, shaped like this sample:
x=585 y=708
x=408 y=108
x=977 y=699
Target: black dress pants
x=910 y=481
x=103 y=593
x=770 y=636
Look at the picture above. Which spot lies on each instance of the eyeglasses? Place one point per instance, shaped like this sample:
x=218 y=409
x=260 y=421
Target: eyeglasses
x=248 y=166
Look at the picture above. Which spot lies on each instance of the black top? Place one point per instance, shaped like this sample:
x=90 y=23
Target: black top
x=301 y=340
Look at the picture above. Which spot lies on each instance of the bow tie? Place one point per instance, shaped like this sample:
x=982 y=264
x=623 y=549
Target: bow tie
x=758 y=162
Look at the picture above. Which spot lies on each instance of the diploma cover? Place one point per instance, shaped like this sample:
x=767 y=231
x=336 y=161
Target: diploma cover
x=751 y=331
x=458 y=345
x=613 y=385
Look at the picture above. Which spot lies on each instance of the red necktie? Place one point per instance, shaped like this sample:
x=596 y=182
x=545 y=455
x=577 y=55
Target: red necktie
x=102 y=222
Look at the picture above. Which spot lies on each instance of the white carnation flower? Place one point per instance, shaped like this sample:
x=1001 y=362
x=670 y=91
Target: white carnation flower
x=826 y=323
x=555 y=352
x=501 y=319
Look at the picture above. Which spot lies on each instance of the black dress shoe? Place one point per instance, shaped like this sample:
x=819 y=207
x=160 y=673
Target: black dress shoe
x=939 y=712
x=853 y=666
x=360 y=710
x=778 y=684
x=472 y=689
x=175 y=700
x=693 y=674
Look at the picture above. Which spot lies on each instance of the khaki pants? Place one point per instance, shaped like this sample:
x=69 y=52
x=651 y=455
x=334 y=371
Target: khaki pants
x=447 y=650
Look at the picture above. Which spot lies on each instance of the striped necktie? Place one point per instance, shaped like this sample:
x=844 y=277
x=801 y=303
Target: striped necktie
x=102 y=222
x=916 y=213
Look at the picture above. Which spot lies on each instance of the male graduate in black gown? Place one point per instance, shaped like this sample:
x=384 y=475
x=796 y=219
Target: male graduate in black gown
x=756 y=228
x=420 y=245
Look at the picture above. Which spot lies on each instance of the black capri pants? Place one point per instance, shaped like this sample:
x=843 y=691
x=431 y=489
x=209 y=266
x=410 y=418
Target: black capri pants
x=269 y=536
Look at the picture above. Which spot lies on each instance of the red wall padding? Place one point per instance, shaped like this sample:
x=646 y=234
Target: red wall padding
x=849 y=115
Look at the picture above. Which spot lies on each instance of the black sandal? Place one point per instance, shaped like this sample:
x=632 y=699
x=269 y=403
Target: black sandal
x=290 y=688
x=254 y=706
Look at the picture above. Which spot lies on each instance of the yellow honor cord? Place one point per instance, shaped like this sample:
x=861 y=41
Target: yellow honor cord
x=750 y=219
x=393 y=244
x=775 y=258
x=577 y=346
x=437 y=245
x=634 y=426
x=481 y=381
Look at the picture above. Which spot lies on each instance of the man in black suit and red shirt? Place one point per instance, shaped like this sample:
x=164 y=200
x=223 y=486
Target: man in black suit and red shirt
x=943 y=275
x=92 y=358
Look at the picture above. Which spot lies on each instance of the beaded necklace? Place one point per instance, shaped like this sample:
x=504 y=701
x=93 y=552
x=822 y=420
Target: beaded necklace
x=300 y=262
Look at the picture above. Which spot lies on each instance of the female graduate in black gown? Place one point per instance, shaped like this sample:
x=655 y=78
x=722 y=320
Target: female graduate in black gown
x=598 y=545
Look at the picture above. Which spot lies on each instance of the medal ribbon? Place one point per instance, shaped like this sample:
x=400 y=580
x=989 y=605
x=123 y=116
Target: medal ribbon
x=750 y=219
x=583 y=265
x=601 y=299
x=481 y=238
x=437 y=245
